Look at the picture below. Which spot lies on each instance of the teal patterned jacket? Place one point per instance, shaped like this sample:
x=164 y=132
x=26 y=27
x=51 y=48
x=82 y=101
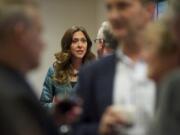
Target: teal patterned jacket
x=52 y=88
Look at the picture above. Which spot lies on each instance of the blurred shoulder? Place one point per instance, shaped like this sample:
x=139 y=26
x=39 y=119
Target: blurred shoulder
x=171 y=82
x=51 y=71
x=174 y=77
x=100 y=64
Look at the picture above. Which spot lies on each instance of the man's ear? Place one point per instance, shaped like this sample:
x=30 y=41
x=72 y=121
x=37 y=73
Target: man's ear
x=19 y=28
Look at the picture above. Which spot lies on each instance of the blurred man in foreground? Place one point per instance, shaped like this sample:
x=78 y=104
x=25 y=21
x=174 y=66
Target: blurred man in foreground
x=118 y=98
x=21 y=46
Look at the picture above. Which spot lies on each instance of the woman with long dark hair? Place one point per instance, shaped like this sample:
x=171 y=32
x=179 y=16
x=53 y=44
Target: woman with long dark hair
x=62 y=77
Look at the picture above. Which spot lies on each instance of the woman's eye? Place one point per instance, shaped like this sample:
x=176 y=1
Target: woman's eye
x=77 y=40
x=74 y=40
x=84 y=40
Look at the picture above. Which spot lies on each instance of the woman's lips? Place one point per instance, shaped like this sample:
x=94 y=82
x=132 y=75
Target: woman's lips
x=80 y=51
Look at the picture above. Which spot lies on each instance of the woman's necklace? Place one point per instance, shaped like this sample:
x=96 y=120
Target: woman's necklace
x=74 y=74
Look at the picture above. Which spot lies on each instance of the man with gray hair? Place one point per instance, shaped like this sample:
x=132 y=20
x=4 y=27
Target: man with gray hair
x=105 y=41
x=21 y=47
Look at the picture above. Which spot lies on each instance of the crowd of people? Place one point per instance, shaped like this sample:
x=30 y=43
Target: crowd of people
x=131 y=88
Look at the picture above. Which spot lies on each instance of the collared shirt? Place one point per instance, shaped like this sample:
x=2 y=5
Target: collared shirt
x=132 y=89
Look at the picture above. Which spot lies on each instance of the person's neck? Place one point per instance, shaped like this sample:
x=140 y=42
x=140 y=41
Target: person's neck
x=132 y=49
x=13 y=63
x=76 y=63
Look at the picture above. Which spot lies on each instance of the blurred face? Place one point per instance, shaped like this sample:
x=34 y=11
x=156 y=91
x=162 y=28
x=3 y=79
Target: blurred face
x=79 y=45
x=158 y=64
x=151 y=56
x=32 y=42
x=126 y=16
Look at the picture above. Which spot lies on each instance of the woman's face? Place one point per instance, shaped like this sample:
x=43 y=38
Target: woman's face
x=151 y=55
x=158 y=65
x=79 y=45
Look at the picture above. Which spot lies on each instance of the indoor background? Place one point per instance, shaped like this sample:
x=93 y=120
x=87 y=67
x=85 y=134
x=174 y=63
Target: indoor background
x=59 y=15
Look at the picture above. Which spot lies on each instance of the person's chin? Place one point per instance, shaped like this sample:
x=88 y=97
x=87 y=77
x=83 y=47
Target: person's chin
x=120 y=34
x=79 y=56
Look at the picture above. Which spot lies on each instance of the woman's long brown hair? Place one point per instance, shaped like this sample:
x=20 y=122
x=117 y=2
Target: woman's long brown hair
x=62 y=65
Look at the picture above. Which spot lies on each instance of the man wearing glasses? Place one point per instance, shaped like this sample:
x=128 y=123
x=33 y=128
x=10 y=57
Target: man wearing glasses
x=106 y=42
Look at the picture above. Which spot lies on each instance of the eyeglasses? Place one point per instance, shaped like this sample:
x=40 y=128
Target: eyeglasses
x=99 y=41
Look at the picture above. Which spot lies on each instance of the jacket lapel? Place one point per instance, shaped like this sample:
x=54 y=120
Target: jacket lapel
x=105 y=83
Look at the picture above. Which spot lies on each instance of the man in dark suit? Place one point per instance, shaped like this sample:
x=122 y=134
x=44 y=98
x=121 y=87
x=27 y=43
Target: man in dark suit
x=21 y=46
x=118 y=79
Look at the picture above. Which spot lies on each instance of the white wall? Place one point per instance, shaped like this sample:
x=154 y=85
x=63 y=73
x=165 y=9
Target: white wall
x=101 y=16
x=58 y=15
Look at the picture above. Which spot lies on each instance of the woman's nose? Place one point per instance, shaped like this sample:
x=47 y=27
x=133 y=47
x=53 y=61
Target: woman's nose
x=80 y=43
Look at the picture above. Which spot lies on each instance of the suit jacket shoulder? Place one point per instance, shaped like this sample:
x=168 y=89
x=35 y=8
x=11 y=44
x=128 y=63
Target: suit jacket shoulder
x=167 y=118
x=170 y=90
x=94 y=72
x=94 y=85
x=20 y=107
x=102 y=64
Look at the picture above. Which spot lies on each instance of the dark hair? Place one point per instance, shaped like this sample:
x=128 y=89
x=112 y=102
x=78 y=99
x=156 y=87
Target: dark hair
x=68 y=37
x=62 y=65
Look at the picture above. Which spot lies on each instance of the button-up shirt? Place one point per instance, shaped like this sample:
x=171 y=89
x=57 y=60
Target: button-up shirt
x=132 y=89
